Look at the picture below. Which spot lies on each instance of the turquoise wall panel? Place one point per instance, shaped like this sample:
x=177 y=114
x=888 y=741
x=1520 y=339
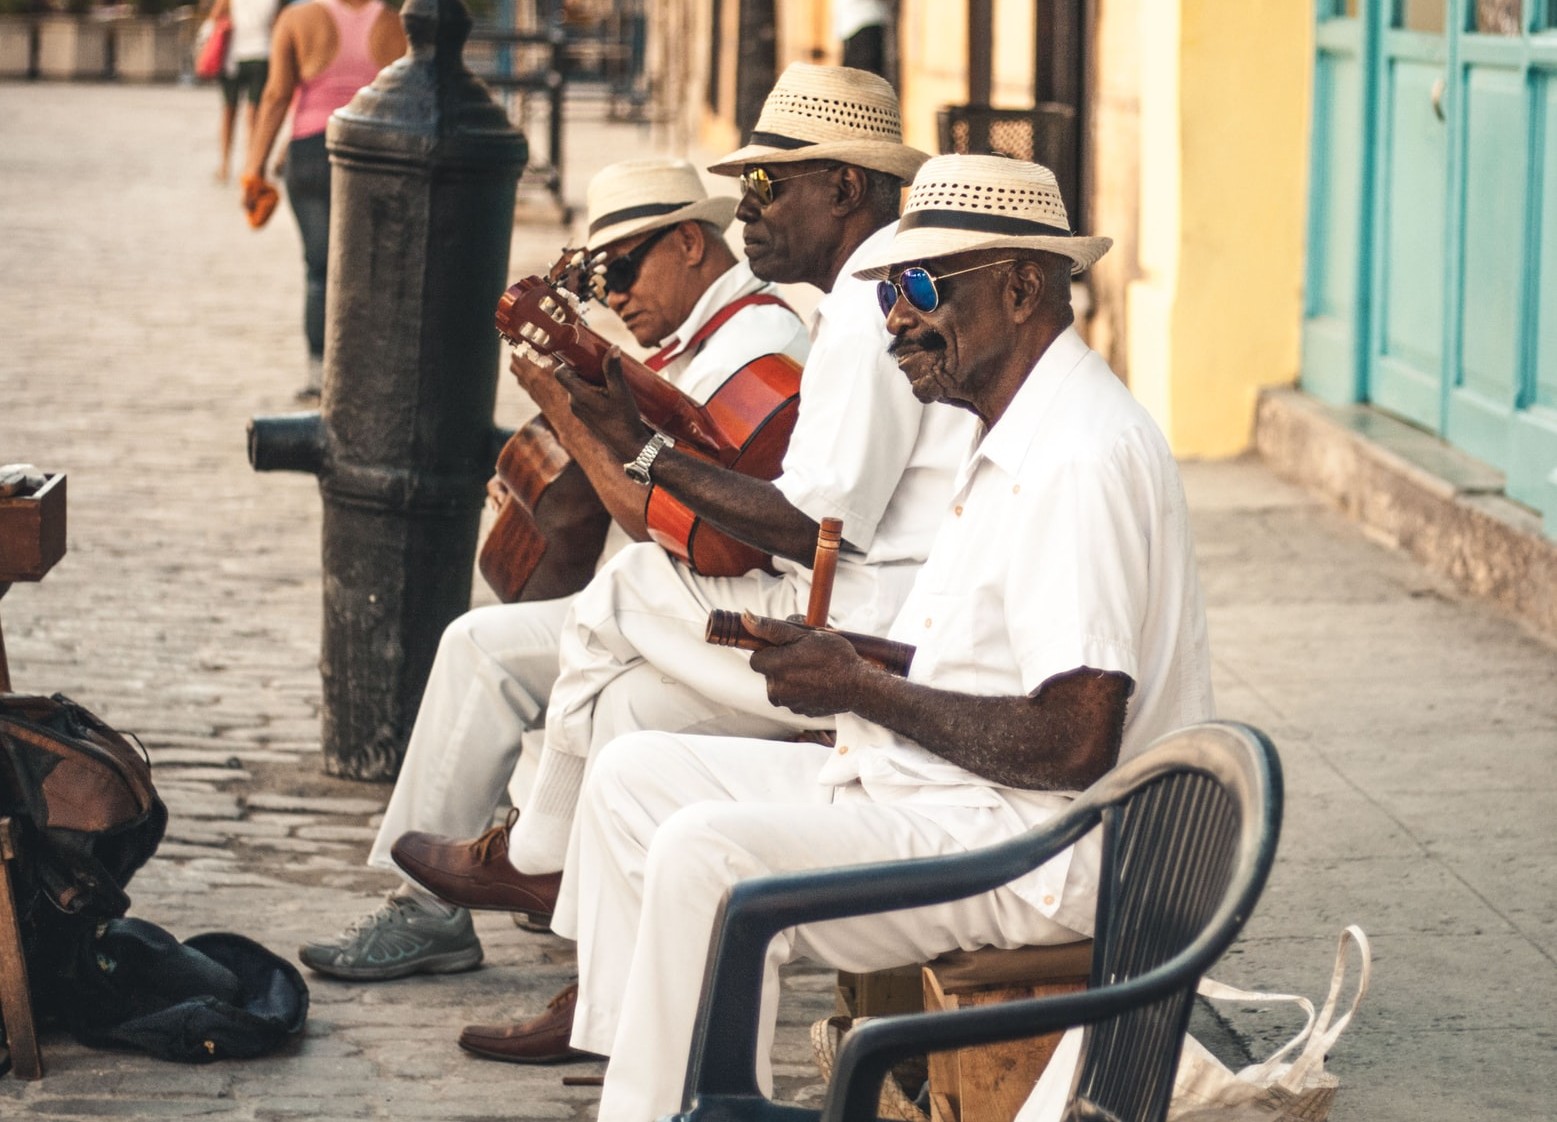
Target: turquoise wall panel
x=1532 y=466
x=1491 y=244
x=1333 y=273
x=1406 y=371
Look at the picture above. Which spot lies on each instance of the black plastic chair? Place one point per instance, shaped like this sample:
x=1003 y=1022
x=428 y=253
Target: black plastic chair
x=1189 y=835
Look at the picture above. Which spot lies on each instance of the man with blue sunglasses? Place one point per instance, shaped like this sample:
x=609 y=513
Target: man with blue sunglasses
x=1058 y=627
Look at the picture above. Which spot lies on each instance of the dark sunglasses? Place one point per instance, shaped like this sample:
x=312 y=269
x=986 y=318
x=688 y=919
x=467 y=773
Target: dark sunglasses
x=760 y=183
x=916 y=284
x=620 y=273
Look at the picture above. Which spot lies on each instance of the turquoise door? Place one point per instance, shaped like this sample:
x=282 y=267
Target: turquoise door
x=1432 y=261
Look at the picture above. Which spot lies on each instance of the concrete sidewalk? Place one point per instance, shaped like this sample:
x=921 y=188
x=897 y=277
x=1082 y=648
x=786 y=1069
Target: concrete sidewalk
x=143 y=323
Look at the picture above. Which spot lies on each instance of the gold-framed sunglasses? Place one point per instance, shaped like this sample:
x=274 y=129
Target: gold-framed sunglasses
x=760 y=183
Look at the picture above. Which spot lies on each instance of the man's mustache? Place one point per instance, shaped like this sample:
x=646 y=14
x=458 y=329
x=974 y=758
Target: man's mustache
x=930 y=340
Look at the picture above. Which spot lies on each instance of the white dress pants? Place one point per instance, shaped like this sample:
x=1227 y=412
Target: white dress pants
x=666 y=824
x=489 y=681
x=488 y=687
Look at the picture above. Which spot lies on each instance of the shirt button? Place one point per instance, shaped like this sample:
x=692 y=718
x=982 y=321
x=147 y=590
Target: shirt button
x=1016 y=488
x=928 y=622
x=843 y=749
x=1048 y=899
x=957 y=510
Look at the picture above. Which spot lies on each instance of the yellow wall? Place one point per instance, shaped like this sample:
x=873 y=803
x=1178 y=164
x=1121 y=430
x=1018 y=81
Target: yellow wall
x=1216 y=312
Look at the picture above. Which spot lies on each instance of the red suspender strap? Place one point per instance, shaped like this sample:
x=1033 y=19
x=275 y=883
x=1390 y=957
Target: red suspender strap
x=658 y=360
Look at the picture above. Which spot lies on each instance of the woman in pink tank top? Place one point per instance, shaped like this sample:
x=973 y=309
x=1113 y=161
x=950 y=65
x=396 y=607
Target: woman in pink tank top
x=322 y=53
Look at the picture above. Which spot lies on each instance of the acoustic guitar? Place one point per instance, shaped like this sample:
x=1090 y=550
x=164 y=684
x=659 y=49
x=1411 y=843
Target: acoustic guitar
x=550 y=524
x=744 y=426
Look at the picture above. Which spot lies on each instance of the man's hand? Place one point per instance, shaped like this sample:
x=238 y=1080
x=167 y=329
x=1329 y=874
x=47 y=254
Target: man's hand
x=609 y=411
x=533 y=378
x=814 y=673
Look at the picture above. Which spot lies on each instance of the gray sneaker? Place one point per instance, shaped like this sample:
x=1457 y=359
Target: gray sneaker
x=403 y=937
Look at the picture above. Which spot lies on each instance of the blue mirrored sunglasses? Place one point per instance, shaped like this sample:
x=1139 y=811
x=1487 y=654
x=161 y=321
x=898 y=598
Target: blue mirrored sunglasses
x=916 y=284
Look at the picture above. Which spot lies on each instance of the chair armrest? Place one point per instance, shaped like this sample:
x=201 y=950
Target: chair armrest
x=754 y=911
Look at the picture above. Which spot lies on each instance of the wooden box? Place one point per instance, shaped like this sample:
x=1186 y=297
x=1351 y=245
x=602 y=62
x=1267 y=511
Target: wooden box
x=32 y=531
x=990 y=1083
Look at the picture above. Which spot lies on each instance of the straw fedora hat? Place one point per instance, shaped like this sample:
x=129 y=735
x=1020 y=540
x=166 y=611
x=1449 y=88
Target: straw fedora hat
x=958 y=204
x=828 y=113
x=638 y=196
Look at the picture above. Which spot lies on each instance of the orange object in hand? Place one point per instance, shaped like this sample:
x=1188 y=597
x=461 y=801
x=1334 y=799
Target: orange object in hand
x=259 y=200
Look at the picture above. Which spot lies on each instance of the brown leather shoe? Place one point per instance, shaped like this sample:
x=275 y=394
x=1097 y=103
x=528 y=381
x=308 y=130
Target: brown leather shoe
x=476 y=874
x=540 y=1040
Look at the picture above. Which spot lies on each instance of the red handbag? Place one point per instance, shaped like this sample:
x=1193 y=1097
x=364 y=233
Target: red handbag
x=212 y=57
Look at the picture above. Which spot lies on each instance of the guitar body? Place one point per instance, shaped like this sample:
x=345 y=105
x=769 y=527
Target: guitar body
x=756 y=405
x=550 y=526
x=745 y=425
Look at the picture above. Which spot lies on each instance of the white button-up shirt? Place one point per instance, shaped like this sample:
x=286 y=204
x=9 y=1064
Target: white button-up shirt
x=754 y=331
x=1066 y=544
x=867 y=451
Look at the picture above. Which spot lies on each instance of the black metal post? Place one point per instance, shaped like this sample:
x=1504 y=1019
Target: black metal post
x=424 y=166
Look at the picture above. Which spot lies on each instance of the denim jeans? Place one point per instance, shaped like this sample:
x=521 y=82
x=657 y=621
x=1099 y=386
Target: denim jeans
x=308 y=190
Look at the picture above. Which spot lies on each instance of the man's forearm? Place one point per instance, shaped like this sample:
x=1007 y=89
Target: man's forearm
x=752 y=510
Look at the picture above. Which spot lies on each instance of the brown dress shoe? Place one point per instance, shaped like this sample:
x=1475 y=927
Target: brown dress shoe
x=540 y=1040
x=476 y=874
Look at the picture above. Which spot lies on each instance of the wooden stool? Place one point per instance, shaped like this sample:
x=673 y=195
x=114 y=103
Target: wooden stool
x=32 y=539
x=991 y=1083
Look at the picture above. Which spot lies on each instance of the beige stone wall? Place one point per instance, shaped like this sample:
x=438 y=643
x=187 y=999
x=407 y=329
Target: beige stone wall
x=1113 y=144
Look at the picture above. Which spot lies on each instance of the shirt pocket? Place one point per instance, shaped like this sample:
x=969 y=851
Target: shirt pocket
x=941 y=630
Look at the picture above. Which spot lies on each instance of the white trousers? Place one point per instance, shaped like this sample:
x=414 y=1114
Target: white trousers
x=645 y=608
x=666 y=824
x=487 y=688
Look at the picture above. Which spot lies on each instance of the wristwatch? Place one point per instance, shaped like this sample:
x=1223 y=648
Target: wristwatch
x=638 y=470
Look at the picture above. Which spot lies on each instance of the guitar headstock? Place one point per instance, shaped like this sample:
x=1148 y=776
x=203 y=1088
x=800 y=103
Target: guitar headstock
x=571 y=273
x=538 y=321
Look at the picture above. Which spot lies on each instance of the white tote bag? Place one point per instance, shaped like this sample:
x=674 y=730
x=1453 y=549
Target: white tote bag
x=1206 y=1090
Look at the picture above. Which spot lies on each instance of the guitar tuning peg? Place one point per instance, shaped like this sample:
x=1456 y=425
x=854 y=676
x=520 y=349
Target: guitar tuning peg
x=542 y=338
x=527 y=331
x=547 y=304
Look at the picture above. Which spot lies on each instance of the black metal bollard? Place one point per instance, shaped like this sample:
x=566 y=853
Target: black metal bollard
x=424 y=166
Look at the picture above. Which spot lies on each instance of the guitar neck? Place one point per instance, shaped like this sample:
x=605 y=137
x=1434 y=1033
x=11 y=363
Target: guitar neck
x=532 y=316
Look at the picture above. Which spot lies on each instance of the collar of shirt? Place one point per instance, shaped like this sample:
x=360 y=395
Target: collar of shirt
x=1006 y=445
x=837 y=301
x=735 y=282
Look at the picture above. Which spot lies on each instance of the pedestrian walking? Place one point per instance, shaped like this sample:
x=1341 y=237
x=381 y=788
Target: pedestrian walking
x=246 y=69
x=322 y=53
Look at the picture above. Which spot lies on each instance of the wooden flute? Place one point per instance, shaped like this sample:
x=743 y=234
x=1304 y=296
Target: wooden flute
x=728 y=629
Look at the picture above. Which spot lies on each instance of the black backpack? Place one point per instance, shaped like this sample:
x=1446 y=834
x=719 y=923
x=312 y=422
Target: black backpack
x=88 y=817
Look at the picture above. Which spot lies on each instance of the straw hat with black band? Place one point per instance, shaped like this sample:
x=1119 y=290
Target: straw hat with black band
x=959 y=204
x=640 y=196
x=828 y=113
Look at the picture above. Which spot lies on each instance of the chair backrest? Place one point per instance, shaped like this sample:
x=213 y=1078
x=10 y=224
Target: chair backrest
x=1173 y=851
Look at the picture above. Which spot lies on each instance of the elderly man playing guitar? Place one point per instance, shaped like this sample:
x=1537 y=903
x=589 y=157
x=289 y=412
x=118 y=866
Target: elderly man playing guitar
x=657 y=257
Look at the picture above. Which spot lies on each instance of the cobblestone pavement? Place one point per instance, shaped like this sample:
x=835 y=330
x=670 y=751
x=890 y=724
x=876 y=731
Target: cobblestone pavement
x=142 y=323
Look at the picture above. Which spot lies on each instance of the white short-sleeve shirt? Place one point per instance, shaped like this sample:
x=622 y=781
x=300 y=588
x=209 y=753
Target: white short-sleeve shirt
x=865 y=450
x=1066 y=544
x=754 y=331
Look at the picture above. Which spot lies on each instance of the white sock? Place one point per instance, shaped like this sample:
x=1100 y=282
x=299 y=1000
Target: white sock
x=425 y=900
x=539 y=840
